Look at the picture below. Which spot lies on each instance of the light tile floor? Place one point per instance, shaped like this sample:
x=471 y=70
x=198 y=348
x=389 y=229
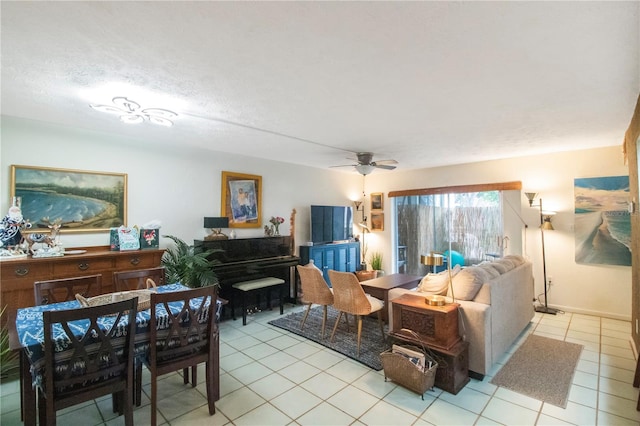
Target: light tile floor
x=272 y=377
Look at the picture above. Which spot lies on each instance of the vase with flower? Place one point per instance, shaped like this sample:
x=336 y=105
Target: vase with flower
x=275 y=224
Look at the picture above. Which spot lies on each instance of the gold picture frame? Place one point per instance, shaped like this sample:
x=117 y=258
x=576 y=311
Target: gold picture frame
x=86 y=201
x=241 y=199
x=377 y=201
x=377 y=222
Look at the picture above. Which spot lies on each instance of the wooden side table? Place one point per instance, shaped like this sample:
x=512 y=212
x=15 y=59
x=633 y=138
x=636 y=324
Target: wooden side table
x=437 y=329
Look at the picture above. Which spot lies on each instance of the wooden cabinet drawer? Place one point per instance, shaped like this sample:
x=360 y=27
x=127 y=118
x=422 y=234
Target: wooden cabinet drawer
x=24 y=270
x=84 y=266
x=136 y=260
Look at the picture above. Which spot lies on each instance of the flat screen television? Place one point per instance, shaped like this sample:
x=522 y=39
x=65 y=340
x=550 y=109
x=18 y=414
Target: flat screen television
x=331 y=223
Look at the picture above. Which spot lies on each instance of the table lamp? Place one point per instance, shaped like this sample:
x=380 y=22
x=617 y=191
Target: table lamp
x=215 y=224
x=433 y=260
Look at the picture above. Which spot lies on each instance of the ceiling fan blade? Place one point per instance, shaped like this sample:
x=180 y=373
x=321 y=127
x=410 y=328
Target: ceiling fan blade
x=345 y=165
x=383 y=166
x=385 y=162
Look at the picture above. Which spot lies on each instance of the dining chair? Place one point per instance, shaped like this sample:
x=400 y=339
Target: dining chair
x=189 y=337
x=65 y=289
x=137 y=279
x=314 y=290
x=99 y=362
x=349 y=298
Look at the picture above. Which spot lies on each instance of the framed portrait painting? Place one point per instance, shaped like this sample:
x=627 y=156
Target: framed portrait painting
x=377 y=222
x=242 y=199
x=377 y=201
x=85 y=201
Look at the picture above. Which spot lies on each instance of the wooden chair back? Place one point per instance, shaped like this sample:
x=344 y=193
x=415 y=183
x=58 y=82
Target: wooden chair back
x=137 y=280
x=97 y=363
x=65 y=289
x=189 y=337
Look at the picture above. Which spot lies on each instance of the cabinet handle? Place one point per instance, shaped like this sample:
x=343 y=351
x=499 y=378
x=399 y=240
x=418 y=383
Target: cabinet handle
x=21 y=272
x=135 y=261
x=83 y=266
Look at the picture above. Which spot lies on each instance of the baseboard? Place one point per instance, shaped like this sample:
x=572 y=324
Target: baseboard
x=603 y=314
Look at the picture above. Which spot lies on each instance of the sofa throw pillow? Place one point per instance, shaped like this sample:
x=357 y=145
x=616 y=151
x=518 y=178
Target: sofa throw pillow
x=437 y=283
x=468 y=282
x=499 y=267
x=516 y=259
x=490 y=270
x=506 y=262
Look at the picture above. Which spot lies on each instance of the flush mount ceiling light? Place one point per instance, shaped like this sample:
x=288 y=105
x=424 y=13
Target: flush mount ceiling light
x=130 y=112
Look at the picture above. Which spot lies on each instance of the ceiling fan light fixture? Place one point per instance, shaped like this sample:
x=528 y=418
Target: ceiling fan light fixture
x=364 y=169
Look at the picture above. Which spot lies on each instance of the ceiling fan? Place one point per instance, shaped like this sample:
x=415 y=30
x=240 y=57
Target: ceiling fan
x=366 y=166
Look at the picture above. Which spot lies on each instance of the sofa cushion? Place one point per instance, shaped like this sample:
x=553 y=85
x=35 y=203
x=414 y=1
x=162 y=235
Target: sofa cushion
x=437 y=283
x=468 y=282
x=490 y=270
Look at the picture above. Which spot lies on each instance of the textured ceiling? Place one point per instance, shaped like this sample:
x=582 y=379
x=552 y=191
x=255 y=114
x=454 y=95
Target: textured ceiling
x=425 y=83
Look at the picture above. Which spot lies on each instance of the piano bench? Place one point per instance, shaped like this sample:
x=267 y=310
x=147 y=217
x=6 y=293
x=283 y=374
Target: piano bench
x=247 y=288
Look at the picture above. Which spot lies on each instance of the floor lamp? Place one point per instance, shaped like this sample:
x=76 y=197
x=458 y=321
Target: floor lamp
x=545 y=225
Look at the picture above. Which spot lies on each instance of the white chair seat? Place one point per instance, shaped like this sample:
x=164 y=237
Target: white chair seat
x=376 y=304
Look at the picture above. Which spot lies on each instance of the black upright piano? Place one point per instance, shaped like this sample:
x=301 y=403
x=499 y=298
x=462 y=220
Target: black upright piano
x=245 y=259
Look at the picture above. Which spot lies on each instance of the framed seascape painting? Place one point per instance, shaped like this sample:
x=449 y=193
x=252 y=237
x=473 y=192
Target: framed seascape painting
x=84 y=201
x=377 y=202
x=602 y=220
x=242 y=199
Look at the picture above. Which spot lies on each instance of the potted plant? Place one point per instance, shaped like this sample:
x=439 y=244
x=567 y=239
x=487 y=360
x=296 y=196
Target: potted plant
x=7 y=356
x=376 y=263
x=182 y=264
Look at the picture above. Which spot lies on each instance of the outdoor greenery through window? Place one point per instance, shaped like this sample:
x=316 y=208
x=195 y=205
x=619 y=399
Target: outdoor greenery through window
x=471 y=221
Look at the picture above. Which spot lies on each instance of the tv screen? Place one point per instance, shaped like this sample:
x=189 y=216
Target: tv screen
x=331 y=223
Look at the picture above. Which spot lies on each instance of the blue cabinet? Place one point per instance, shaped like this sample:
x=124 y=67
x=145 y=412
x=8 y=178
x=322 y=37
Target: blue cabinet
x=343 y=257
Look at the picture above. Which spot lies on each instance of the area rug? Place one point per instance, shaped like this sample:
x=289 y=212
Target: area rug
x=541 y=368
x=345 y=342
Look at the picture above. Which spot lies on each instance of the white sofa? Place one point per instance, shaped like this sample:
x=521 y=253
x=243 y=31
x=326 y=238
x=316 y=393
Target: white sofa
x=500 y=306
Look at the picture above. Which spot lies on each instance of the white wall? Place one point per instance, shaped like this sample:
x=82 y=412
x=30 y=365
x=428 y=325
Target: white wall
x=586 y=288
x=177 y=186
x=180 y=186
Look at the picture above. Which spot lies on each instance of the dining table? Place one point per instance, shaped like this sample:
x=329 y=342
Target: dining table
x=27 y=337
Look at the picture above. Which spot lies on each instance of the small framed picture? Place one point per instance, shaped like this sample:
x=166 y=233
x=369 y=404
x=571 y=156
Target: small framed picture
x=377 y=201
x=377 y=222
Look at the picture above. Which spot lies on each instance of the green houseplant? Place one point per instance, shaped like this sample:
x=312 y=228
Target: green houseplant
x=376 y=261
x=7 y=356
x=182 y=264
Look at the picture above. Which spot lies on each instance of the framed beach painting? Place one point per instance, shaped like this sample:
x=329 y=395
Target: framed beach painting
x=85 y=201
x=242 y=199
x=602 y=220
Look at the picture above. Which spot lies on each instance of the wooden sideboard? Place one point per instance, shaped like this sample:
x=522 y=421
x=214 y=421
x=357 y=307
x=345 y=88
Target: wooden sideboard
x=18 y=275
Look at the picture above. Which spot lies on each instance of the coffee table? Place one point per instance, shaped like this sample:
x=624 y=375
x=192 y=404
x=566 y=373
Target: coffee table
x=379 y=288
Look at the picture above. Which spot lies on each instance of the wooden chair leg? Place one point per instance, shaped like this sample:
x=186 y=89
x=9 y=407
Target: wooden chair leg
x=210 y=389
x=335 y=327
x=185 y=375
x=138 y=380
x=324 y=319
x=359 y=334
x=381 y=325
x=304 y=318
x=194 y=375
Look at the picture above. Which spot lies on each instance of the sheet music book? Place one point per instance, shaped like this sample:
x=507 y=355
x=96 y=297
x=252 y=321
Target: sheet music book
x=417 y=358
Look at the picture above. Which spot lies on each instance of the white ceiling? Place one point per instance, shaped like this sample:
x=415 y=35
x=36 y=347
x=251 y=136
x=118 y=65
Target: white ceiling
x=425 y=83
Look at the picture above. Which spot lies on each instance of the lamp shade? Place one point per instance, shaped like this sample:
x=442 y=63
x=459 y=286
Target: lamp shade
x=432 y=259
x=216 y=222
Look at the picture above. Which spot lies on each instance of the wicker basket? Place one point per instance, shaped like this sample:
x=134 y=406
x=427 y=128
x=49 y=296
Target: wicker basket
x=402 y=371
x=144 y=298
